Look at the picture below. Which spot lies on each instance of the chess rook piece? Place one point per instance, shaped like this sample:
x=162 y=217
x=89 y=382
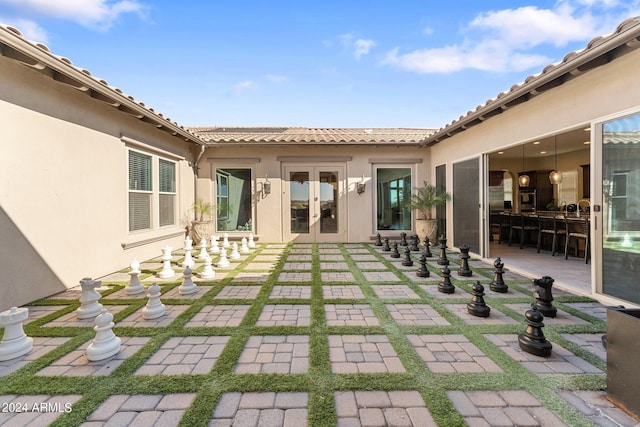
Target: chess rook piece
x=498 y=285
x=464 y=269
x=207 y=272
x=167 y=272
x=403 y=239
x=106 y=343
x=395 y=253
x=234 y=251
x=427 y=248
x=14 y=341
x=215 y=246
x=477 y=306
x=386 y=246
x=188 y=248
x=134 y=287
x=442 y=259
x=445 y=286
x=532 y=340
x=407 y=261
x=423 y=271
x=89 y=305
x=223 y=262
x=543 y=297
x=251 y=243
x=415 y=241
x=378 y=240
x=154 y=308
x=187 y=287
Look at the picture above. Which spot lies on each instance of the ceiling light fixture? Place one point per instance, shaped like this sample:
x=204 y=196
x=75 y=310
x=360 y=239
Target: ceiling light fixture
x=523 y=180
x=555 y=177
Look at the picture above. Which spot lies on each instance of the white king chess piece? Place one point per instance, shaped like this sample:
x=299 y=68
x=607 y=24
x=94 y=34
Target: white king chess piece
x=14 y=341
x=225 y=240
x=188 y=247
x=223 y=262
x=134 y=287
x=251 y=243
x=208 y=272
x=89 y=305
x=244 y=248
x=167 y=272
x=187 y=287
x=106 y=343
x=234 y=251
x=155 y=307
x=215 y=248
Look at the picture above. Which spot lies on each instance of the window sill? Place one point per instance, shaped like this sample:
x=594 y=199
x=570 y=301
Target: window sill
x=154 y=236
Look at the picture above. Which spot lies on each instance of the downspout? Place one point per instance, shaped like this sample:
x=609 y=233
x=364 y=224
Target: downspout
x=196 y=168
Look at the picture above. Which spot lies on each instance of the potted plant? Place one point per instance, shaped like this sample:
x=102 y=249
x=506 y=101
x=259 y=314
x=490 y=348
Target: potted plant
x=201 y=225
x=424 y=200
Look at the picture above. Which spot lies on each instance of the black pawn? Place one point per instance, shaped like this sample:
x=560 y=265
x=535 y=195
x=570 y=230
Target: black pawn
x=445 y=286
x=442 y=259
x=477 y=306
x=427 y=248
x=386 y=246
x=378 y=240
x=464 y=270
x=543 y=297
x=395 y=253
x=403 y=239
x=498 y=284
x=423 y=271
x=415 y=241
x=407 y=261
x=532 y=340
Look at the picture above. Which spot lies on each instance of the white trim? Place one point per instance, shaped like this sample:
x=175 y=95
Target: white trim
x=146 y=147
x=235 y=160
x=394 y=160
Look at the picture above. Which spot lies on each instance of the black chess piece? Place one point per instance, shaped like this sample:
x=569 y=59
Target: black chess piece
x=498 y=284
x=378 y=240
x=415 y=241
x=403 y=239
x=445 y=286
x=423 y=271
x=427 y=247
x=442 y=259
x=407 y=261
x=543 y=297
x=477 y=306
x=386 y=246
x=532 y=340
x=464 y=269
x=395 y=253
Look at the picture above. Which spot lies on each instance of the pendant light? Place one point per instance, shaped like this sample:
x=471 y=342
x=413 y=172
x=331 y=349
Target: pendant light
x=523 y=180
x=555 y=177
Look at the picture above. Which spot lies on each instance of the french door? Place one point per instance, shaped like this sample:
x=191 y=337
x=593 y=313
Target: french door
x=314 y=209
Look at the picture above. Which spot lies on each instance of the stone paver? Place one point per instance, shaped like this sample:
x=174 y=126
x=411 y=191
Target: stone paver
x=305 y=266
x=293 y=292
x=185 y=356
x=41 y=346
x=238 y=292
x=350 y=354
x=71 y=319
x=251 y=276
x=331 y=257
x=451 y=354
x=219 y=316
x=350 y=315
x=298 y=257
x=337 y=276
x=34 y=410
x=495 y=317
x=594 y=309
x=37 y=312
x=382 y=408
x=260 y=266
x=285 y=315
x=342 y=292
x=137 y=320
x=157 y=410
x=380 y=276
x=433 y=291
x=370 y=265
x=416 y=315
x=333 y=266
x=562 y=318
x=274 y=354
x=589 y=342
x=364 y=257
x=284 y=409
x=289 y=276
x=394 y=291
x=175 y=293
x=597 y=408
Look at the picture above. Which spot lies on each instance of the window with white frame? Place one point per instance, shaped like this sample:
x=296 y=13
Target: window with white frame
x=234 y=211
x=167 y=196
x=393 y=191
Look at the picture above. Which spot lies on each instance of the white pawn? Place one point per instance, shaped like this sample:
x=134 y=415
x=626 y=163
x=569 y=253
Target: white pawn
x=106 y=343
x=89 y=305
x=154 y=307
x=234 y=251
x=188 y=247
x=167 y=272
x=208 y=272
x=225 y=240
x=187 y=287
x=134 y=287
x=223 y=262
x=215 y=248
x=203 y=249
x=244 y=248
x=14 y=341
x=251 y=243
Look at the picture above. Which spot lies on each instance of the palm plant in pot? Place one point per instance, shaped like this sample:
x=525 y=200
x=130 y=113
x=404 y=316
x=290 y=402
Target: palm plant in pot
x=424 y=200
x=201 y=226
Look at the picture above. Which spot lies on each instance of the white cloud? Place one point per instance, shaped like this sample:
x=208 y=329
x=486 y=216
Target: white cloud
x=95 y=14
x=243 y=87
x=359 y=46
x=29 y=29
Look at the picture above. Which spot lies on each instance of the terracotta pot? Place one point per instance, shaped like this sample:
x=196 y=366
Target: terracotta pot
x=427 y=227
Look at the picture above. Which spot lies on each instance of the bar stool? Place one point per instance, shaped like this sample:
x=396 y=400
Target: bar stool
x=521 y=224
x=549 y=225
x=578 y=229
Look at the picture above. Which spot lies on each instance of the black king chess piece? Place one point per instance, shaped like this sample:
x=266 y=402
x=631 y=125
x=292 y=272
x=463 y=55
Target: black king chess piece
x=386 y=246
x=442 y=259
x=427 y=247
x=445 y=286
x=464 y=269
x=532 y=340
x=477 y=306
x=543 y=297
x=423 y=271
x=395 y=253
x=415 y=241
x=407 y=261
x=498 y=284
x=378 y=240
x=403 y=239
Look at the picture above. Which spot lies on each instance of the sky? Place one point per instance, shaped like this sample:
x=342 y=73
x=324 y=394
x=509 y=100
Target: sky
x=324 y=64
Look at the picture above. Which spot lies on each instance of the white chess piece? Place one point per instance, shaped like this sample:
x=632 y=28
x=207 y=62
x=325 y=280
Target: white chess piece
x=89 y=305
x=134 y=287
x=234 y=251
x=215 y=248
x=187 y=287
x=188 y=247
x=243 y=247
x=154 y=308
x=208 y=272
x=14 y=341
x=225 y=240
x=223 y=262
x=106 y=343
x=251 y=243
x=167 y=272
x=203 y=249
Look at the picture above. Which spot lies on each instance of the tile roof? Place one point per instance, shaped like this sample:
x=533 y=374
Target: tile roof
x=313 y=136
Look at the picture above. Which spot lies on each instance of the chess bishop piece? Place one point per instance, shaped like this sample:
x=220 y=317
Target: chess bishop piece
x=378 y=240
x=415 y=242
x=207 y=272
x=542 y=294
x=403 y=239
x=203 y=249
x=407 y=261
x=154 y=308
x=134 y=287
x=244 y=247
x=427 y=248
x=167 y=272
x=187 y=287
x=477 y=306
x=215 y=245
x=14 y=341
x=395 y=253
x=386 y=246
x=423 y=271
x=225 y=241
x=106 y=343
x=251 y=243
x=532 y=340
x=234 y=251
x=442 y=259
x=445 y=286
x=498 y=285
x=223 y=262
x=464 y=269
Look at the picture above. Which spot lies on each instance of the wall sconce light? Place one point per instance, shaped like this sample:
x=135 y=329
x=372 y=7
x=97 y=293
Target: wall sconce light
x=555 y=177
x=266 y=185
x=523 y=180
x=360 y=186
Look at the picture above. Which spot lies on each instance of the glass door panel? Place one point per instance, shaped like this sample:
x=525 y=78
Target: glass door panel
x=328 y=202
x=299 y=191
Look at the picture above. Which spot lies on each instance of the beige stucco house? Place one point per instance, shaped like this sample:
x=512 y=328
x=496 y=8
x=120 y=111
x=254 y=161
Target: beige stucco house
x=92 y=178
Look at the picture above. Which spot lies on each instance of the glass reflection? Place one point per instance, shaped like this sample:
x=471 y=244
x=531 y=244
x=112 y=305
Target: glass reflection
x=299 y=191
x=328 y=199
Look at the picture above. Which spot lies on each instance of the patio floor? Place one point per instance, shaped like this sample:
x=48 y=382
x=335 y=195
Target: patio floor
x=312 y=334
